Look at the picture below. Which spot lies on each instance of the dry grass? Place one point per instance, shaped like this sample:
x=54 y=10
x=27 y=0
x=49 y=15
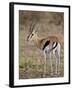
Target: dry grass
x=31 y=59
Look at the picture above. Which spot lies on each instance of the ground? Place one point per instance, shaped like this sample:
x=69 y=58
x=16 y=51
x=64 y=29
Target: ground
x=31 y=59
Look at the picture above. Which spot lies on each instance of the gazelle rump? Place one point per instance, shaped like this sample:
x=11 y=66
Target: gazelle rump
x=49 y=44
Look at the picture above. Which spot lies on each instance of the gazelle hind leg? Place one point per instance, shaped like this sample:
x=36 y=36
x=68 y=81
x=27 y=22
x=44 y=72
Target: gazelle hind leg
x=57 y=55
x=51 y=65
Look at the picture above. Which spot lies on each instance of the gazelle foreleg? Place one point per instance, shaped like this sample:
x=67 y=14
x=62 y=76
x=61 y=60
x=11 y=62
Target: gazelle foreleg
x=45 y=58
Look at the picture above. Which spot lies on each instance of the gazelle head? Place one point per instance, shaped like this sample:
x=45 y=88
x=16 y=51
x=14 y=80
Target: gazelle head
x=32 y=36
x=32 y=33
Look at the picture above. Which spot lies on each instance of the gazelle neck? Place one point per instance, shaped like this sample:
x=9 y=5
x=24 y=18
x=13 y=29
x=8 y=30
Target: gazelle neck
x=36 y=40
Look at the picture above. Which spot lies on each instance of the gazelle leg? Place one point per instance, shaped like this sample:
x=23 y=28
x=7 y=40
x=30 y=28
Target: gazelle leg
x=57 y=62
x=51 y=64
x=44 y=74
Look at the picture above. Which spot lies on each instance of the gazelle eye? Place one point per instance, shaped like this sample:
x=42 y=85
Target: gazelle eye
x=32 y=34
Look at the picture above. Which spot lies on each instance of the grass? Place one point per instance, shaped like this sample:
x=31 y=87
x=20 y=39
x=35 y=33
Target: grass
x=31 y=59
x=31 y=69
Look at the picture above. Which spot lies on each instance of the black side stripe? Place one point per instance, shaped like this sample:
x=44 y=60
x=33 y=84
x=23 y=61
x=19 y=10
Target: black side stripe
x=46 y=44
x=54 y=46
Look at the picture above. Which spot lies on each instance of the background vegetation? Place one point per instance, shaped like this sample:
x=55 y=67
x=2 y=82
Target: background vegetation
x=30 y=57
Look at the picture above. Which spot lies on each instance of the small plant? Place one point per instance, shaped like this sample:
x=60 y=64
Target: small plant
x=21 y=66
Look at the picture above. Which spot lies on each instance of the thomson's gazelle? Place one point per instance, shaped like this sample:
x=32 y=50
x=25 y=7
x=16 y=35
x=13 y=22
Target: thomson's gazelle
x=48 y=45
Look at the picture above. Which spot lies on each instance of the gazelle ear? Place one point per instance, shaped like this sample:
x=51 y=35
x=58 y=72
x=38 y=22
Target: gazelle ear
x=34 y=31
x=36 y=28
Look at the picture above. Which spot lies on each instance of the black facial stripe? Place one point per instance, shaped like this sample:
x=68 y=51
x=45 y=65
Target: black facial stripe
x=31 y=36
x=27 y=37
x=46 y=44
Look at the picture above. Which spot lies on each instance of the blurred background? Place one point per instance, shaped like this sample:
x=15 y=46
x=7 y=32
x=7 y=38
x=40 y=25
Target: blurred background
x=30 y=57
